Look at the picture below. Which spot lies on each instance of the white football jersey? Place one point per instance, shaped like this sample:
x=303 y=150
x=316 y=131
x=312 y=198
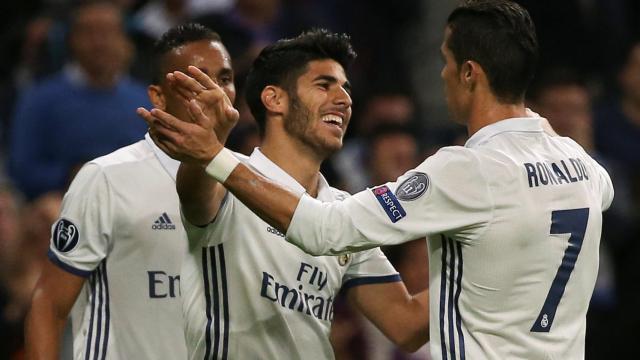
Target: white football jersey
x=250 y=295
x=120 y=228
x=513 y=220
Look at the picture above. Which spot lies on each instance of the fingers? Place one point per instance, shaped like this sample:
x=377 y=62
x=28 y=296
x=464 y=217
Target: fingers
x=232 y=114
x=169 y=121
x=185 y=81
x=202 y=78
x=145 y=115
x=198 y=115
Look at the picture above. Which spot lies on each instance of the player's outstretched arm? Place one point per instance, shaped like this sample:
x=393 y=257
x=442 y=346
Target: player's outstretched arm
x=402 y=318
x=322 y=229
x=51 y=302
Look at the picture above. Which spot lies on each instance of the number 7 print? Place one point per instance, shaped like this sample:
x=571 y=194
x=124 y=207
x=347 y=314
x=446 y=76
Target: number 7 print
x=574 y=222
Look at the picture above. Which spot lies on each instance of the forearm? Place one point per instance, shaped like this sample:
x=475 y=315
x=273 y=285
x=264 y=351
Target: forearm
x=402 y=318
x=408 y=323
x=200 y=195
x=419 y=322
x=317 y=228
x=43 y=328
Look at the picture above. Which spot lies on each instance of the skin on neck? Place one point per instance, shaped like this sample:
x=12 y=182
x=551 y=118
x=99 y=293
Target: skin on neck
x=483 y=107
x=290 y=154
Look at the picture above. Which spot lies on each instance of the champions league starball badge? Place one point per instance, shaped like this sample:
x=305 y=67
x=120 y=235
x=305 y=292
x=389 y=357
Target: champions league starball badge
x=65 y=235
x=413 y=187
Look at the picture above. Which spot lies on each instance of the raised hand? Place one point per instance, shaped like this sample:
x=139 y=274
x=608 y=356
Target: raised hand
x=190 y=142
x=198 y=86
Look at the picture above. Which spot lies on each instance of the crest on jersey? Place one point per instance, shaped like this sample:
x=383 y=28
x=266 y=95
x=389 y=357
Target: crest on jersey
x=65 y=235
x=344 y=259
x=413 y=187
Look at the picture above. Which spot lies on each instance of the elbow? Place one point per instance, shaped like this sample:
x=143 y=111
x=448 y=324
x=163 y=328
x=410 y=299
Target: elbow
x=410 y=339
x=411 y=344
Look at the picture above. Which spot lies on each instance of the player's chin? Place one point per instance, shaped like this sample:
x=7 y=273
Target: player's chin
x=333 y=146
x=327 y=146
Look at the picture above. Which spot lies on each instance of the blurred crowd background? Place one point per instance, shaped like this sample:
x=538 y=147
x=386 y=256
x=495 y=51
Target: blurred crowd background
x=52 y=121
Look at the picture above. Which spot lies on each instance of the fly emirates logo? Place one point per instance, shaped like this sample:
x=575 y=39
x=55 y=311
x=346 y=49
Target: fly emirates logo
x=306 y=297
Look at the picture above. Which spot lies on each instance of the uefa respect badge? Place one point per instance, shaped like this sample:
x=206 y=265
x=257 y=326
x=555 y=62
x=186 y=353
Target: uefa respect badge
x=389 y=203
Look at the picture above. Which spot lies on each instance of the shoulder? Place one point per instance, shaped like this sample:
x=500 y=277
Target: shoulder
x=452 y=159
x=134 y=153
x=125 y=162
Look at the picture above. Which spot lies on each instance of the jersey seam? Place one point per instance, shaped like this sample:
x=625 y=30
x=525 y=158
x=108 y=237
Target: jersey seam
x=489 y=193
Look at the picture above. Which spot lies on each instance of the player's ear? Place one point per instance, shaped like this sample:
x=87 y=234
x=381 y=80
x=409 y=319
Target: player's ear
x=274 y=99
x=157 y=97
x=470 y=71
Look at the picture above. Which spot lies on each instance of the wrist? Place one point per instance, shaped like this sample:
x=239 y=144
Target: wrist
x=222 y=164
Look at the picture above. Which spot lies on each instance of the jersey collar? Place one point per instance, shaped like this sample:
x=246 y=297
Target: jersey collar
x=524 y=124
x=269 y=169
x=170 y=165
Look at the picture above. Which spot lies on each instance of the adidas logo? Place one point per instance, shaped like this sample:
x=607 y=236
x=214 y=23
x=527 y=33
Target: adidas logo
x=163 y=223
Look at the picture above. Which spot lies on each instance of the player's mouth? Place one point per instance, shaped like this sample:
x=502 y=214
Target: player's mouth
x=333 y=120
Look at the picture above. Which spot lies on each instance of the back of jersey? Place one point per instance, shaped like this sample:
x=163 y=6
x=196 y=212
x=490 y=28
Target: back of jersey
x=522 y=288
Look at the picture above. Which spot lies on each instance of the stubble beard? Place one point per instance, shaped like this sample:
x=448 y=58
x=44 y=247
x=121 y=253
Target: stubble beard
x=299 y=125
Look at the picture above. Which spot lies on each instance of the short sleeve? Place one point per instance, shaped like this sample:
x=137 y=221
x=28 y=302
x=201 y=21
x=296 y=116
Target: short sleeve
x=448 y=193
x=81 y=237
x=605 y=185
x=207 y=235
x=369 y=267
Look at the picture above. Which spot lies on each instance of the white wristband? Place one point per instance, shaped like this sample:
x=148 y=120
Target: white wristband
x=222 y=165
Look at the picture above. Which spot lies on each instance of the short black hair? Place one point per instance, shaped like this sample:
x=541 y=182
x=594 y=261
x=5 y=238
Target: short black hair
x=281 y=63
x=500 y=36
x=176 y=37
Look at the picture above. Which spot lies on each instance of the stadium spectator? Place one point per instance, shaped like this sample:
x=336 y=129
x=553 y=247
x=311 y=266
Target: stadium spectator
x=85 y=111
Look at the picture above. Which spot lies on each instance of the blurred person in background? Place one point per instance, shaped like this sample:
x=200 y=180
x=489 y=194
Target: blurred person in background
x=392 y=149
x=617 y=119
x=24 y=230
x=352 y=164
x=86 y=110
x=10 y=238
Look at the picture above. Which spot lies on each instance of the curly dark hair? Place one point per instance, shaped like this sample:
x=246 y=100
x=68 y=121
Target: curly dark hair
x=283 y=62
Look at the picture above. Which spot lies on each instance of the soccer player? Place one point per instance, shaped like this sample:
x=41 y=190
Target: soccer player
x=513 y=217
x=248 y=298
x=117 y=249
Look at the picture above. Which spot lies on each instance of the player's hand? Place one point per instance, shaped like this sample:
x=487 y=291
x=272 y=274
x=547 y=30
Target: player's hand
x=196 y=85
x=190 y=142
